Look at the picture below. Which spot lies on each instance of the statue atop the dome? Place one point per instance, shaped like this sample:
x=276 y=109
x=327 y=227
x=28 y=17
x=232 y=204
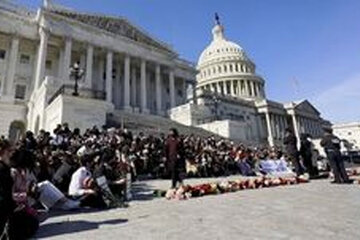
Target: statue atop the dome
x=217 y=19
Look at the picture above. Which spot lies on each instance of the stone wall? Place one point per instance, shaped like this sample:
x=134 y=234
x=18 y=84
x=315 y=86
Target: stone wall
x=10 y=113
x=78 y=112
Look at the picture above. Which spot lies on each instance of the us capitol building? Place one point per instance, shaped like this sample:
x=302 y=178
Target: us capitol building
x=127 y=71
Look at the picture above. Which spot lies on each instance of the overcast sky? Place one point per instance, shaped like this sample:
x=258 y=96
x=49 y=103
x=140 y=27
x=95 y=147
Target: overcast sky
x=303 y=48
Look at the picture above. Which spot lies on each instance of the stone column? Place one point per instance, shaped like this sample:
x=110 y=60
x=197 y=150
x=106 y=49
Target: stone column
x=247 y=91
x=273 y=127
x=258 y=90
x=232 y=87
x=243 y=90
x=8 y=89
x=158 y=89
x=100 y=82
x=296 y=129
x=144 y=108
x=172 y=88
x=225 y=88
x=127 y=83
x=60 y=64
x=133 y=87
x=252 y=85
x=240 y=90
x=185 y=88
x=278 y=124
x=212 y=88
x=65 y=72
x=269 y=130
x=109 y=77
x=218 y=88
x=41 y=60
x=282 y=126
x=89 y=66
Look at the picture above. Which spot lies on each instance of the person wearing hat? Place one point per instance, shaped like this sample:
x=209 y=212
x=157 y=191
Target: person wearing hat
x=331 y=145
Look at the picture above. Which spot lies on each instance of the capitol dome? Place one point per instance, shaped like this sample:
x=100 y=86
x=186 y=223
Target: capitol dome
x=225 y=69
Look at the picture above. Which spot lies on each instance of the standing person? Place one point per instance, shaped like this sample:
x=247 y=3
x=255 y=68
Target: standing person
x=173 y=154
x=290 y=143
x=331 y=145
x=306 y=154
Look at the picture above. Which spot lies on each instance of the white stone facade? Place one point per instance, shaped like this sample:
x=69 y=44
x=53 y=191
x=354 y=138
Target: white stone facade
x=125 y=68
x=230 y=99
x=349 y=132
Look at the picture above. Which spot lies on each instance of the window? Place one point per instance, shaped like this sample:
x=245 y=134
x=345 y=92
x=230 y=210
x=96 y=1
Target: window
x=24 y=59
x=2 y=54
x=20 y=91
x=48 y=64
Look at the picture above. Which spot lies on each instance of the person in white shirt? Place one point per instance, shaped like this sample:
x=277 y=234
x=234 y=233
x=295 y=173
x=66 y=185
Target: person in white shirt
x=82 y=186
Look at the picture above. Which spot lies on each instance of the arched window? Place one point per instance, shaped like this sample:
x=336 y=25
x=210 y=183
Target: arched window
x=214 y=70
x=231 y=68
x=236 y=68
x=225 y=68
x=219 y=69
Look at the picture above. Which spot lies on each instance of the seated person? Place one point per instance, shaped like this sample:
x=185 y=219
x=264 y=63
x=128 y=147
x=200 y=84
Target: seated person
x=27 y=191
x=13 y=217
x=274 y=167
x=82 y=186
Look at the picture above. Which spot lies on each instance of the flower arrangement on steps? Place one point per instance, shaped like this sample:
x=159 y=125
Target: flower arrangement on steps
x=187 y=191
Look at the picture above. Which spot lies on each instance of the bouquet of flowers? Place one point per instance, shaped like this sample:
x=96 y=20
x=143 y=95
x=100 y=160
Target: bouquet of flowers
x=186 y=192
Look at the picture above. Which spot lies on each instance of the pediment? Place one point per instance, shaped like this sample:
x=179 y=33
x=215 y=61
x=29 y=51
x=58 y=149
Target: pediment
x=306 y=106
x=118 y=26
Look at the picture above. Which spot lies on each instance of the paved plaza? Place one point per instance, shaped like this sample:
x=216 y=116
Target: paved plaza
x=316 y=210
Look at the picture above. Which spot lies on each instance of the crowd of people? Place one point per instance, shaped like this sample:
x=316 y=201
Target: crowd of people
x=68 y=170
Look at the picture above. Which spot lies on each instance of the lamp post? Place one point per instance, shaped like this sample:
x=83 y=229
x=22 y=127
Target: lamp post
x=77 y=73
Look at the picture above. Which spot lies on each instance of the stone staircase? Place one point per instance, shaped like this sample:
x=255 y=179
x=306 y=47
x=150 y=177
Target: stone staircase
x=151 y=124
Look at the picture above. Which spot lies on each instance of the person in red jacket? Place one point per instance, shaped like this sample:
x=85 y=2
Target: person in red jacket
x=174 y=157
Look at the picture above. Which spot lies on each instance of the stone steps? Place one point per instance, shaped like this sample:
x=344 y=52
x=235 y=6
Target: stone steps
x=151 y=124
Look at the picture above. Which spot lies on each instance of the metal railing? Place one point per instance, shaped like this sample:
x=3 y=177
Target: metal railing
x=68 y=90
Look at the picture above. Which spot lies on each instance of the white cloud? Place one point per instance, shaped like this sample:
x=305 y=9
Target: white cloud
x=341 y=103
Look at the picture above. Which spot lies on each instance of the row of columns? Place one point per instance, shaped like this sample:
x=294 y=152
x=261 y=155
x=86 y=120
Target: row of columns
x=225 y=69
x=276 y=125
x=65 y=62
x=237 y=88
x=306 y=125
x=7 y=89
